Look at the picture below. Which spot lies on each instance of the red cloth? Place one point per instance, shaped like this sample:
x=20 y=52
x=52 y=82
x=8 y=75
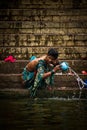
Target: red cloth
x=84 y=72
x=10 y=59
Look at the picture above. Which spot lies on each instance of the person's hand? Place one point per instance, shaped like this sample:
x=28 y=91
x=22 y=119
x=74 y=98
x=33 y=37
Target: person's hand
x=57 y=67
x=64 y=66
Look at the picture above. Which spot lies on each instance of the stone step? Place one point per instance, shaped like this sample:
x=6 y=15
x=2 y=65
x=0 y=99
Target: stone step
x=24 y=52
x=61 y=81
x=29 y=24
x=17 y=67
x=10 y=81
x=53 y=95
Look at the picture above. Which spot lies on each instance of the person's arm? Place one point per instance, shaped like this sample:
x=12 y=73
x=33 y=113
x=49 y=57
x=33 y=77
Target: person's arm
x=47 y=74
x=31 y=65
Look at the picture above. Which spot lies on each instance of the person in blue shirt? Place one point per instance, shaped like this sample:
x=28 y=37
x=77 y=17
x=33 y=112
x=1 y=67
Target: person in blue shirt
x=39 y=72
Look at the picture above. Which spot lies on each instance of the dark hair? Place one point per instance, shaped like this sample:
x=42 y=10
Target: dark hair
x=53 y=52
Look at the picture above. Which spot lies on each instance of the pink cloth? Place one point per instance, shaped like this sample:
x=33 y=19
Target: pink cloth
x=10 y=59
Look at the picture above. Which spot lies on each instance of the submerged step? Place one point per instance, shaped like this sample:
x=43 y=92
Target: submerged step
x=60 y=94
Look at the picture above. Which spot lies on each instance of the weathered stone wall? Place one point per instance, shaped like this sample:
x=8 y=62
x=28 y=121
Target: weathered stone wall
x=30 y=27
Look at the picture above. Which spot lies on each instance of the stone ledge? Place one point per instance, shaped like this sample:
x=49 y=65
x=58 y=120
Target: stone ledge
x=17 y=67
x=15 y=81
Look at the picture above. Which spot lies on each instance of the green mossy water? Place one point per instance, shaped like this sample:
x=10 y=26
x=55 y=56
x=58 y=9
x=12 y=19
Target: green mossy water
x=43 y=114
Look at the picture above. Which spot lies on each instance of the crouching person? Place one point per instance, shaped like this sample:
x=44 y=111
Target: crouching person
x=39 y=72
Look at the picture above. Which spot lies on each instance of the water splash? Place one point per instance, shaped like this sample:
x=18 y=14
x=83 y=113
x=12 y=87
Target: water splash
x=80 y=82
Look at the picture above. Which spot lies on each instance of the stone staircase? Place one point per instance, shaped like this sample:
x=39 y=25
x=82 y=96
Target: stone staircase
x=31 y=27
x=64 y=85
x=10 y=74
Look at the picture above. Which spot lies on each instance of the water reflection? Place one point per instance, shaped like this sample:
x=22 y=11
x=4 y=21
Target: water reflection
x=43 y=114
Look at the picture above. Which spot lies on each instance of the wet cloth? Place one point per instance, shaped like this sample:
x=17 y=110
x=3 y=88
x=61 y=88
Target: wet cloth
x=39 y=82
x=34 y=80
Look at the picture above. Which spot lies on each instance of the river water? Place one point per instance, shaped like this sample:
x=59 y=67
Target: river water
x=43 y=114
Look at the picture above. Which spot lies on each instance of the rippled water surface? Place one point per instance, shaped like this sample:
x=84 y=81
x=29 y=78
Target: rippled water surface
x=43 y=114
